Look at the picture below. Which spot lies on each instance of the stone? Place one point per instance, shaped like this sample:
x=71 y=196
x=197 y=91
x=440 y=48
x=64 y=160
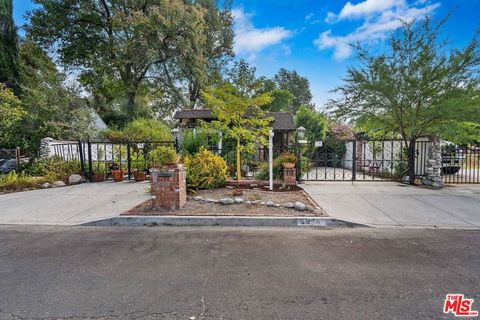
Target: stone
x=189 y=198
x=238 y=200
x=248 y=202
x=262 y=203
x=299 y=206
x=237 y=192
x=75 y=179
x=270 y=203
x=277 y=205
x=289 y=205
x=309 y=208
x=198 y=198
x=210 y=200
x=46 y=185
x=227 y=201
x=57 y=184
x=8 y=166
x=437 y=184
x=253 y=185
x=256 y=202
x=229 y=187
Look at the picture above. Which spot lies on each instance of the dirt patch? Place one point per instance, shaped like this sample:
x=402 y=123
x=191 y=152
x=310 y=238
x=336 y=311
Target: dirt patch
x=203 y=208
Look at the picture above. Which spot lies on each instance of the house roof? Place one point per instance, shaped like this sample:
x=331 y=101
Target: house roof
x=282 y=121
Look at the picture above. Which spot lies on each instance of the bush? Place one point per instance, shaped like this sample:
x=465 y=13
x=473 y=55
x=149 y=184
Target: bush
x=192 y=142
x=140 y=130
x=286 y=157
x=160 y=156
x=18 y=182
x=205 y=170
x=53 y=168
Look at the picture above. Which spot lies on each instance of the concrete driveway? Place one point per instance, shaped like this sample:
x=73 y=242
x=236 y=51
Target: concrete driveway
x=73 y=204
x=387 y=204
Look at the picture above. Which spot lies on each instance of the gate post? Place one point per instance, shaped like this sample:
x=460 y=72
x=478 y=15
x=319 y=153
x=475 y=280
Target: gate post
x=129 y=164
x=90 y=165
x=354 y=160
x=82 y=161
x=411 y=161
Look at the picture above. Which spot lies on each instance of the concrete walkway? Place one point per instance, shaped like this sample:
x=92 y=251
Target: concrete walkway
x=387 y=204
x=73 y=204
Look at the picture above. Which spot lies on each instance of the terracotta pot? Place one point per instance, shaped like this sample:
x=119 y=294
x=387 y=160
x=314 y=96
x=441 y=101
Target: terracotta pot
x=99 y=177
x=288 y=165
x=117 y=175
x=139 y=175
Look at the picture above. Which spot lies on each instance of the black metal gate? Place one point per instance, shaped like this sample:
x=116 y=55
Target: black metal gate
x=365 y=160
x=460 y=164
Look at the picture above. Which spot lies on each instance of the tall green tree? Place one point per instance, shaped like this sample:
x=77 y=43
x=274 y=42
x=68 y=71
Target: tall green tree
x=417 y=87
x=297 y=85
x=238 y=117
x=11 y=112
x=51 y=109
x=315 y=123
x=8 y=47
x=129 y=46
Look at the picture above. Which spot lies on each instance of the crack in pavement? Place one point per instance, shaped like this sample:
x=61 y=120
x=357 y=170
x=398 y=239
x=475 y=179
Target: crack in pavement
x=204 y=305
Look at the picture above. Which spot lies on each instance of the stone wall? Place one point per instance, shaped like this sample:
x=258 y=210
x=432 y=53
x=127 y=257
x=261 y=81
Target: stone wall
x=433 y=171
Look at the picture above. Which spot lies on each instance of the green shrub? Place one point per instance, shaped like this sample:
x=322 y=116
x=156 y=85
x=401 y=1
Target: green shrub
x=205 y=170
x=18 y=182
x=160 y=156
x=192 y=142
x=140 y=130
x=53 y=168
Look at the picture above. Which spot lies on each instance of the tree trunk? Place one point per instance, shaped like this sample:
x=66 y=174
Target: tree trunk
x=239 y=171
x=131 y=104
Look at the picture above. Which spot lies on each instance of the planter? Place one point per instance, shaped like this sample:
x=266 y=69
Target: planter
x=99 y=177
x=117 y=175
x=139 y=175
x=288 y=165
x=173 y=161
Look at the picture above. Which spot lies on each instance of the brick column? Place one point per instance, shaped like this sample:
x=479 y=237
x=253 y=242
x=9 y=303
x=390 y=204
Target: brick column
x=290 y=176
x=170 y=188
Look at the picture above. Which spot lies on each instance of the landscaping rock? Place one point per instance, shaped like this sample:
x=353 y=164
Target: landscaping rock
x=227 y=201
x=229 y=187
x=46 y=185
x=75 y=179
x=210 y=200
x=277 y=205
x=189 y=198
x=299 y=206
x=256 y=202
x=309 y=208
x=253 y=185
x=248 y=202
x=8 y=166
x=238 y=200
x=289 y=205
x=270 y=203
x=262 y=203
x=57 y=184
x=198 y=198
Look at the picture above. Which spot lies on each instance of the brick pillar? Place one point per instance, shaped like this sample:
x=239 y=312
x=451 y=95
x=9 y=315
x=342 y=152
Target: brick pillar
x=290 y=176
x=170 y=187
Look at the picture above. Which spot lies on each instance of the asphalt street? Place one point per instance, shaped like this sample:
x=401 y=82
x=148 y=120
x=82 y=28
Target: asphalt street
x=234 y=273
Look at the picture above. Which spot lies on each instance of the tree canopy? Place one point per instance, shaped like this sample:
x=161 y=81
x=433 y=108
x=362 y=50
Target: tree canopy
x=417 y=87
x=8 y=47
x=297 y=85
x=124 y=46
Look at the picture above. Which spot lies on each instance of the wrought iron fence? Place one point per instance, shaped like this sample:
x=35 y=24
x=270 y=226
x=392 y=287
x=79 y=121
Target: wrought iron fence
x=461 y=164
x=104 y=157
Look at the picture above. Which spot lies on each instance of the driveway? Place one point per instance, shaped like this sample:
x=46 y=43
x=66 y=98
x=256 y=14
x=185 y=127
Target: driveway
x=73 y=204
x=388 y=204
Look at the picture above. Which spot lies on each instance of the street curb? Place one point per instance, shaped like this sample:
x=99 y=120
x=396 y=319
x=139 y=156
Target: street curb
x=226 y=221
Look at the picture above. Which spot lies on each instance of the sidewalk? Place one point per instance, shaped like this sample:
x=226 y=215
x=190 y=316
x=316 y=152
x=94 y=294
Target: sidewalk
x=71 y=205
x=386 y=204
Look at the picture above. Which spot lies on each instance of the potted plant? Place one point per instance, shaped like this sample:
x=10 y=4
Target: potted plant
x=99 y=172
x=161 y=156
x=288 y=160
x=117 y=168
x=118 y=173
x=138 y=165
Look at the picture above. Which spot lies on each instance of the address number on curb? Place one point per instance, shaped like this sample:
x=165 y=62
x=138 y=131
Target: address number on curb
x=309 y=222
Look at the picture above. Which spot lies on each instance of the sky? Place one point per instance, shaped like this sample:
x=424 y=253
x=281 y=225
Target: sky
x=313 y=36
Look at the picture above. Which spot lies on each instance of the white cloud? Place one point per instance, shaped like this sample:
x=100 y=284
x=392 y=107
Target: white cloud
x=379 y=19
x=309 y=16
x=250 y=40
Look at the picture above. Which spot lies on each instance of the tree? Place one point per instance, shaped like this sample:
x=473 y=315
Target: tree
x=8 y=47
x=129 y=44
x=11 y=112
x=238 y=117
x=417 y=87
x=281 y=101
x=51 y=109
x=297 y=85
x=243 y=77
